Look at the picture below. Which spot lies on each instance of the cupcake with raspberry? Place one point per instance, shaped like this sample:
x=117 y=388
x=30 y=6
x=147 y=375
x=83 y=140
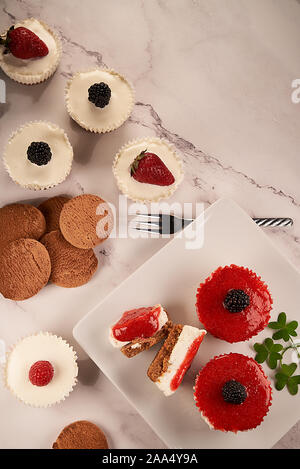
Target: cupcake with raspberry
x=30 y=51
x=233 y=303
x=41 y=369
x=232 y=393
x=38 y=155
x=148 y=170
x=99 y=100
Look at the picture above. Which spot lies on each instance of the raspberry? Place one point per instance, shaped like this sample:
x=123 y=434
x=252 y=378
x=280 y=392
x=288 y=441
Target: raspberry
x=41 y=373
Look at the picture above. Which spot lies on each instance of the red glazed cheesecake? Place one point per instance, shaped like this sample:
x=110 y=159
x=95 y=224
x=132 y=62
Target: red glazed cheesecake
x=139 y=329
x=233 y=303
x=232 y=393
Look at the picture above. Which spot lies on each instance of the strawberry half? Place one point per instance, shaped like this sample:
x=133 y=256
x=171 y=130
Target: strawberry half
x=23 y=43
x=149 y=168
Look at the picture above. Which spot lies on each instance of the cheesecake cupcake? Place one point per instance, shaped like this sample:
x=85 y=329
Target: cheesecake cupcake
x=175 y=357
x=232 y=393
x=148 y=170
x=139 y=329
x=233 y=303
x=38 y=155
x=41 y=369
x=30 y=51
x=99 y=100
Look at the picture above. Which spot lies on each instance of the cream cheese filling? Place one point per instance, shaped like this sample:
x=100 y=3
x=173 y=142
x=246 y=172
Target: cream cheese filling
x=178 y=354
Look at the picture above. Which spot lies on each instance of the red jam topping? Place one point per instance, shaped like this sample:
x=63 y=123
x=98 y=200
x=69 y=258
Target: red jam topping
x=192 y=350
x=217 y=319
x=141 y=322
x=226 y=416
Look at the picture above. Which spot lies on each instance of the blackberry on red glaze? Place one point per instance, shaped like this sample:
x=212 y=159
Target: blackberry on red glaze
x=99 y=94
x=236 y=300
x=234 y=392
x=39 y=153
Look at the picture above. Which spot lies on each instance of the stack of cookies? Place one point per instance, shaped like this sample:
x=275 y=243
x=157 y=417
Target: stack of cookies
x=53 y=242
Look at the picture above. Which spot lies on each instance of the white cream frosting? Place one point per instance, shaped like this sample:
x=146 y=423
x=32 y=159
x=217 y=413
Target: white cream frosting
x=43 y=346
x=37 y=67
x=162 y=320
x=142 y=191
x=178 y=354
x=94 y=118
x=28 y=174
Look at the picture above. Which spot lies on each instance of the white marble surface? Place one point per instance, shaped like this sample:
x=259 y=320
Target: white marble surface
x=213 y=77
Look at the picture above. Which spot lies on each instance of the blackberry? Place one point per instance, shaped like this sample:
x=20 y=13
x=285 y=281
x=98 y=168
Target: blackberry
x=39 y=153
x=99 y=94
x=236 y=300
x=234 y=392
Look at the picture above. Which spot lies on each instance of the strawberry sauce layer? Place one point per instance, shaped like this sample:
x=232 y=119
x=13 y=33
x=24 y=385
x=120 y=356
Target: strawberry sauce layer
x=233 y=327
x=226 y=416
x=141 y=322
x=191 y=352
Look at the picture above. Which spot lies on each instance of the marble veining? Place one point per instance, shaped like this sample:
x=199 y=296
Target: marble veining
x=214 y=79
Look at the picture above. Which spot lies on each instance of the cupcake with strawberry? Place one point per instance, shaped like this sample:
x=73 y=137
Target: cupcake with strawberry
x=29 y=51
x=148 y=170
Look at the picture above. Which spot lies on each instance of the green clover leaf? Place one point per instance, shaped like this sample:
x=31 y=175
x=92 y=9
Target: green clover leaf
x=268 y=351
x=283 y=329
x=285 y=378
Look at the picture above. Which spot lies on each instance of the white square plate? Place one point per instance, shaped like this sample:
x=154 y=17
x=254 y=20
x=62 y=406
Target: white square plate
x=171 y=277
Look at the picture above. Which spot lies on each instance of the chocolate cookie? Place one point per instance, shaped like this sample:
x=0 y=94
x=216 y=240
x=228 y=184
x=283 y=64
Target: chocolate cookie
x=70 y=266
x=20 y=221
x=81 y=435
x=24 y=269
x=86 y=221
x=51 y=209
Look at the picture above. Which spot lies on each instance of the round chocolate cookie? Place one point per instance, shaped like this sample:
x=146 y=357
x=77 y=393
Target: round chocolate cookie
x=86 y=221
x=51 y=209
x=24 y=269
x=70 y=266
x=20 y=221
x=81 y=435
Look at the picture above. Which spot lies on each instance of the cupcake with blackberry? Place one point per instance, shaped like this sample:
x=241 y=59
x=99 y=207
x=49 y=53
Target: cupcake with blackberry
x=232 y=393
x=38 y=155
x=99 y=100
x=29 y=51
x=233 y=303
